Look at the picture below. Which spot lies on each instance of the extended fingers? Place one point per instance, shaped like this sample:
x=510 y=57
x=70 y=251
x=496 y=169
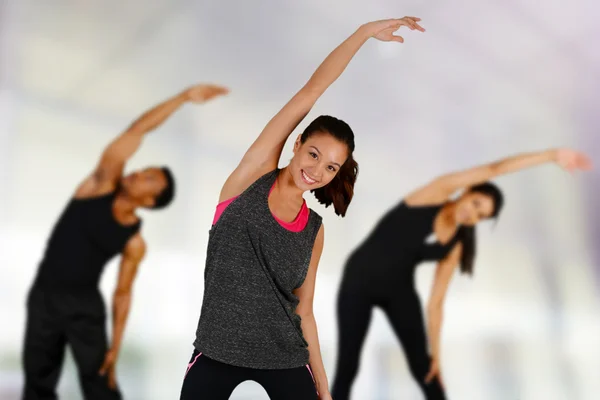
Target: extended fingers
x=220 y=89
x=411 y=22
x=419 y=27
x=215 y=91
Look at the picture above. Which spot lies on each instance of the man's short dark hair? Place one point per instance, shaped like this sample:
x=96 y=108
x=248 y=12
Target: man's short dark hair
x=165 y=197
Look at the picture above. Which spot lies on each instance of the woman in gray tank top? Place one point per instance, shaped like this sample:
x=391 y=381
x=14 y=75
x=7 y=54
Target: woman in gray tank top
x=257 y=320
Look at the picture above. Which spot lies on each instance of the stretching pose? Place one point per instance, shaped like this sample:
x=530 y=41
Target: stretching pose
x=426 y=226
x=64 y=304
x=257 y=320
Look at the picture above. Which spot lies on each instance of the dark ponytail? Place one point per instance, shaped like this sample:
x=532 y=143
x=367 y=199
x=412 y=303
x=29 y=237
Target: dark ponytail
x=340 y=190
x=468 y=238
x=467 y=234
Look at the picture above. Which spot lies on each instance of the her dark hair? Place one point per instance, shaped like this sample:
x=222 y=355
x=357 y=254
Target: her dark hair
x=340 y=190
x=467 y=234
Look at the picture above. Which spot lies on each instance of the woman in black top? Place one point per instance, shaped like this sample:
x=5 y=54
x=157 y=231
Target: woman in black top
x=426 y=226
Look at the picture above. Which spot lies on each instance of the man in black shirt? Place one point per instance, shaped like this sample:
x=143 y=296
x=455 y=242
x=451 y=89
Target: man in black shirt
x=99 y=222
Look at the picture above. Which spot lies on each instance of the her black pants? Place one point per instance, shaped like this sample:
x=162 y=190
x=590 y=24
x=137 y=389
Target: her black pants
x=207 y=379
x=403 y=310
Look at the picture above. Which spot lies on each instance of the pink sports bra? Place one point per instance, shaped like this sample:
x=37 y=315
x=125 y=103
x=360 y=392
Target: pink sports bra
x=296 y=225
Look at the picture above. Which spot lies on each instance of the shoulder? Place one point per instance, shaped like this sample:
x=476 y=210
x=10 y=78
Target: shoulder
x=316 y=221
x=94 y=186
x=320 y=237
x=458 y=247
x=405 y=209
x=429 y=194
x=262 y=181
x=136 y=246
x=321 y=231
x=242 y=182
x=455 y=252
x=105 y=195
x=315 y=216
x=318 y=243
x=267 y=177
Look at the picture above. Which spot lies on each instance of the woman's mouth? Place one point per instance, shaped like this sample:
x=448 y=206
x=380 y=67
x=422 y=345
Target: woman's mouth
x=307 y=179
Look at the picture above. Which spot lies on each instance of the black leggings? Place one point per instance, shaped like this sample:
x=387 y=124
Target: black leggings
x=404 y=313
x=212 y=380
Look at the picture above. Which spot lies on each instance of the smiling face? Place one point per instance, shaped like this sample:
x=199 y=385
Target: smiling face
x=317 y=161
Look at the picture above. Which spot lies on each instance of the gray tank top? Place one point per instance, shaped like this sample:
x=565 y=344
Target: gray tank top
x=253 y=264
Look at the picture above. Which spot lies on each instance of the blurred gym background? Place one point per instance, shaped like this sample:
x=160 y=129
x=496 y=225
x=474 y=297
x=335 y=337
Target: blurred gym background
x=487 y=79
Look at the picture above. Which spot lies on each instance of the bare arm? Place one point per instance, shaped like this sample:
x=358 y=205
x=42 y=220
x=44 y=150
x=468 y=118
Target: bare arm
x=112 y=162
x=132 y=257
x=133 y=254
x=309 y=325
x=442 y=187
x=263 y=155
x=443 y=275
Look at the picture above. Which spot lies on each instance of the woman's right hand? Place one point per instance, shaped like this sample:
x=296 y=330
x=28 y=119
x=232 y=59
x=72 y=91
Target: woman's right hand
x=384 y=29
x=572 y=160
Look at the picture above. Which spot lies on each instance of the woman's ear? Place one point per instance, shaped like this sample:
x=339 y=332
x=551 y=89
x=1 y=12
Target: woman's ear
x=297 y=143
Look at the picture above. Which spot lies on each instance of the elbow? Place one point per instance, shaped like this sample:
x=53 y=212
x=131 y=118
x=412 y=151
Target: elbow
x=135 y=131
x=122 y=297
x=311 y=92
x=494 y=169
x=121 y=306
x=306 y=315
